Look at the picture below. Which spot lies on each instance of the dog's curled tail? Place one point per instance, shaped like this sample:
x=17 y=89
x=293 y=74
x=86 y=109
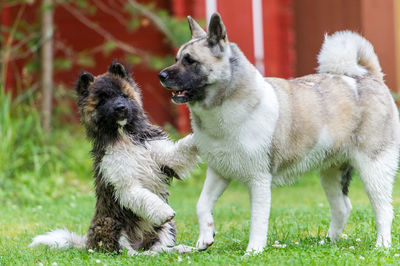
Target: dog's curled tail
x=348 y=53
x=60 y=238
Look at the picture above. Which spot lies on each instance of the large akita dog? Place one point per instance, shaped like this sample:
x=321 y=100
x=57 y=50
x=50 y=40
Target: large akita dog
x=265 y=131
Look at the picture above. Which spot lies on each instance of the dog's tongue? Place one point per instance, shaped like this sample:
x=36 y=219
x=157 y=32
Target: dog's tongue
x=180 y=93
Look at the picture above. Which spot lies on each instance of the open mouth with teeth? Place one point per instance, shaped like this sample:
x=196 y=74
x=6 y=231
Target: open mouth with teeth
x=180 y=96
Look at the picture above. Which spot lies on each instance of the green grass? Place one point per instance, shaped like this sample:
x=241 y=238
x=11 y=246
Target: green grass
x=299 y=219
x=46 y=183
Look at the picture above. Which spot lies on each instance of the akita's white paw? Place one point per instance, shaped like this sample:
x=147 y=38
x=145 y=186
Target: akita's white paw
x=250 y=251
x=333 y=236
x=205 y=241
x=184 y=249
x=382 y=242
x=164 y=215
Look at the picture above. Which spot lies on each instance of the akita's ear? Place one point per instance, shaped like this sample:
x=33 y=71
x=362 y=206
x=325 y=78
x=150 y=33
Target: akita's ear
x=196 y=30
x=118 y=69
x=216 y=30
x=85 y=79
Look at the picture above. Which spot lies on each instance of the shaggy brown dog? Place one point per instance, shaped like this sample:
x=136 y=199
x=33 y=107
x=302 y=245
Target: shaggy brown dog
x=134 y=163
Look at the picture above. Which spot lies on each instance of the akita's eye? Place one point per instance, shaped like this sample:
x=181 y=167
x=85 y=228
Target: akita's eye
x=125 y=95
x=188 y=59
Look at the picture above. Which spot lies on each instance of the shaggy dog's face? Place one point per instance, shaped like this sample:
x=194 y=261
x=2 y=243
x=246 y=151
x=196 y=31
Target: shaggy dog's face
x=109 y=102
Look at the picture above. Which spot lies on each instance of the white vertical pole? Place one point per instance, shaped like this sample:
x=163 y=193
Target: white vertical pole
x=211 y=8
x=258 y=35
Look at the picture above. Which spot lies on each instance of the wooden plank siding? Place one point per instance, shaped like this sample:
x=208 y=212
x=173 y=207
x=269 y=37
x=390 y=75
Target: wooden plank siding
x=374 y=19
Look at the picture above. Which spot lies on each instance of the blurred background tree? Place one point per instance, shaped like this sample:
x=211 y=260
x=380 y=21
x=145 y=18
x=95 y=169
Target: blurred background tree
x=28 y=36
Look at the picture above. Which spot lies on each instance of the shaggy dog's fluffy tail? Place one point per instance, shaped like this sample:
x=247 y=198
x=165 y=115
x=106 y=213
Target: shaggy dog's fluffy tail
x=60 y=238
x=348 y=53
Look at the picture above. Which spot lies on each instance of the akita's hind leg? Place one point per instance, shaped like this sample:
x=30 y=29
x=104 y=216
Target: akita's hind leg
x=335 y=182
x=377 y=174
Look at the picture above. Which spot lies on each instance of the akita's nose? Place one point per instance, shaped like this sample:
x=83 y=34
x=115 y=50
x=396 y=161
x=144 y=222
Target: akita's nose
x=163 y=75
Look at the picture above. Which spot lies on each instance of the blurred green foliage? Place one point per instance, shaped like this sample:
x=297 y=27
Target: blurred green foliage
x=34 y=166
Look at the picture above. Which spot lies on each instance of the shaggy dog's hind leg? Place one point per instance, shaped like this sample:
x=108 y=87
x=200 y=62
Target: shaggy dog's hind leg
x=166 y=240
x=104 y=234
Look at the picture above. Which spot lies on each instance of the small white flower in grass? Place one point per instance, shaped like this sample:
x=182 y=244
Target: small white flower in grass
x=351 y=247
x=358 y=240
x=344 y=236
x=54 y=264
x=320 y=205
x=39 y=207
x=362 y=258
x=98 y=261
x=296 y=243
x=179 y=259
x=279 y=245
x=40 y=264
x=397 y=255
x=321 y=242
x=90 y=250
x=276 y=242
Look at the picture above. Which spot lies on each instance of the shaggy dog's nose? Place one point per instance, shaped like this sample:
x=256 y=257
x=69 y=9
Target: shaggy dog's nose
x=120 y=107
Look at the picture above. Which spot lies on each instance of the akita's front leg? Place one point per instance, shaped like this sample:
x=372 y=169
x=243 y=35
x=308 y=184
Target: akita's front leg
x=181 y=156
x=260 y=199
x=213 y=188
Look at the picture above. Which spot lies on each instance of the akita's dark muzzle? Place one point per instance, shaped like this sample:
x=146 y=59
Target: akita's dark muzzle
x=185 y=85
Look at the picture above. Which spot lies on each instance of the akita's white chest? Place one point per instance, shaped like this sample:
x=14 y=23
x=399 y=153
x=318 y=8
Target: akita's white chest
x=236 y=144
x=234 y=160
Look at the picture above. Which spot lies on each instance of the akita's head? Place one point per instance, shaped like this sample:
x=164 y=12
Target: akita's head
x=109 y=102
x=202 y=64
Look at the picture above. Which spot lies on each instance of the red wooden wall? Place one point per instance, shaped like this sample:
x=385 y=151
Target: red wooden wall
x=375 y=19
x=71 y=31
x=278 y=36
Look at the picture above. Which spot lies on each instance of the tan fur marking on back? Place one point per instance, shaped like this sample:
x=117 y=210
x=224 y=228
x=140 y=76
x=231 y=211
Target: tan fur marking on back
x=307 y=105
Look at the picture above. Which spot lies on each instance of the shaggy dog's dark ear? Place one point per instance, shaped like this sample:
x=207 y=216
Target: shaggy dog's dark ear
x=85 y=79
x=216 y=30
x=118 y=69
